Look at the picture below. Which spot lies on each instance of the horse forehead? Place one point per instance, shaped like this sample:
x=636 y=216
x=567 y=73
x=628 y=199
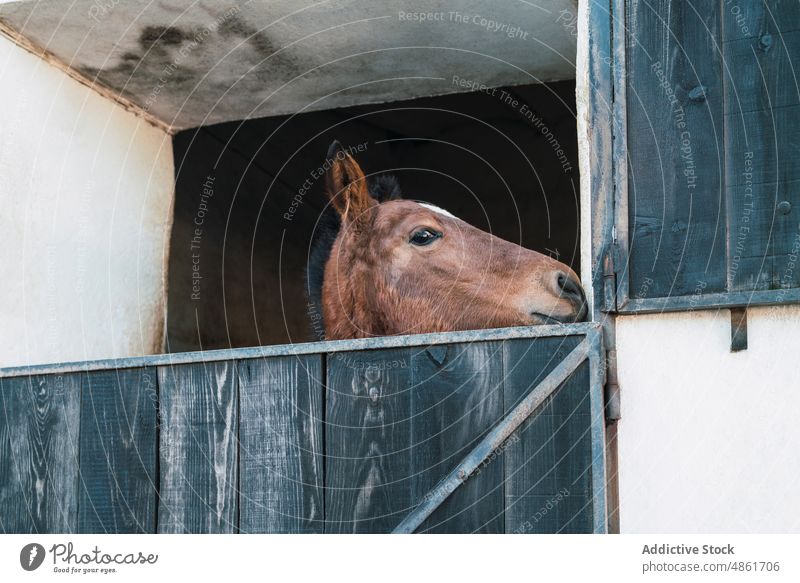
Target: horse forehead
x=437 y=210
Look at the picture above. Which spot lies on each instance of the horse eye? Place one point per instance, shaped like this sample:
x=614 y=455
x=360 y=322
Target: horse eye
x=424 y=237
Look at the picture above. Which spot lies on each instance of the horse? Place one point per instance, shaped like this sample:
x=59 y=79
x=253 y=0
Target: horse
x=381 y=265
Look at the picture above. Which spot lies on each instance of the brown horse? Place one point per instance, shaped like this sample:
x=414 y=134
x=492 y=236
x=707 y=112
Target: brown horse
x=384 y=266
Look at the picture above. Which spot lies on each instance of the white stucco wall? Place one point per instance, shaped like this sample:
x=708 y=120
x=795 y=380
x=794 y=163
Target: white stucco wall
x=709 y=440
x=86 y=196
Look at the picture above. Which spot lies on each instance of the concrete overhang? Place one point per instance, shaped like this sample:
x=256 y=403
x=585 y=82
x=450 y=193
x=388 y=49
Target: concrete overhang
x=188 y=64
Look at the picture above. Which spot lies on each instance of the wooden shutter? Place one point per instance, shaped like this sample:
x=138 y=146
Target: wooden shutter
x=708 y=211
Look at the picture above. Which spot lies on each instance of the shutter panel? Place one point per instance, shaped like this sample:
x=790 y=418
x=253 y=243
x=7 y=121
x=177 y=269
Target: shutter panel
x=762 y=170
x=713 y=169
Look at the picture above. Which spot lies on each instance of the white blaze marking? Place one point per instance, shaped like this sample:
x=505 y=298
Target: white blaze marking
x=437 y=210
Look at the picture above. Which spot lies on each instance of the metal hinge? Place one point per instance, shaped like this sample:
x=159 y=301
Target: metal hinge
x=613 y=412
x=610 y=279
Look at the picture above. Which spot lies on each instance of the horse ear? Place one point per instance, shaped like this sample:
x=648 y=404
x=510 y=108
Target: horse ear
x=346 y=184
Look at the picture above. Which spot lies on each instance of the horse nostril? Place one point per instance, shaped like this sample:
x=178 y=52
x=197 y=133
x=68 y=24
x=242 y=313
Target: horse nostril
x=568 y=287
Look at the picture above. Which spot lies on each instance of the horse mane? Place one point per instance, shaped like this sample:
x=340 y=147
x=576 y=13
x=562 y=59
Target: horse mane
x=382 y=188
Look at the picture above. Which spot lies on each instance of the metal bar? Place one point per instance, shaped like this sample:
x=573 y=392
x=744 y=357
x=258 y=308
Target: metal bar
x=619 y=110
x=594 y=88
x=606 y=34
x=597 y=374
x=738 y=329
x=497 y=436
x=717 y=300
x=609 y=281
x=327 y=347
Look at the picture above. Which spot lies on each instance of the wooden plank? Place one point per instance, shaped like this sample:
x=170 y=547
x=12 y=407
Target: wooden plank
x=675 y=141
x=368 y=441
x=280 y=429
x=762 y=108
x=548 y=467
x=457 y=397
x=760 y=72
x=118 y=449
x=198 y=448
x=753 y=19
x=573 y=452
x=39 y=427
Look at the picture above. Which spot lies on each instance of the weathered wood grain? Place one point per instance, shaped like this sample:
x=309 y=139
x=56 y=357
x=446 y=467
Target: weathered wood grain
x=457 y=396
x=761 y=47
x=548 y=460
x=730 y=67
x=78 y=452
x=752 y=19
x=39 y=429
x=368 y=441
x=281 y=465
x=198 y=448
x=118 y=452
x=675 y=138
x=573 y=451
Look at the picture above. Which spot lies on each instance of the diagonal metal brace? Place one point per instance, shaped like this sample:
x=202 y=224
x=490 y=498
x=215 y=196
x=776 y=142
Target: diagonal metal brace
x=495 y=438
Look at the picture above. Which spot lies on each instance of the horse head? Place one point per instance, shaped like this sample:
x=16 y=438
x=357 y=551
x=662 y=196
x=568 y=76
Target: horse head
x=403 y=267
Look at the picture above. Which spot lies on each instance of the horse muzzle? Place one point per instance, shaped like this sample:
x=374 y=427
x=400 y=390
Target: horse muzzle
x=570 y=289
x=566 y=302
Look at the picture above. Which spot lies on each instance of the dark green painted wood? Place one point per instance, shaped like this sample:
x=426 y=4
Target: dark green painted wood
x=750 y=19
x=573 y=451
x=762 y=121
x=280 y=455
x=368 y=441
x=118 y=452
x=39 y=428
x=740 y=57
x=457 y=396
x=78 y=452
x=675 y=124
x=198 y=448
x=548 y=460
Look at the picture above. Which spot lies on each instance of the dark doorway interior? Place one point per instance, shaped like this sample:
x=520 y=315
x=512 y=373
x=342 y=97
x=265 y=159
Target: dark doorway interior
x=504 y=160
